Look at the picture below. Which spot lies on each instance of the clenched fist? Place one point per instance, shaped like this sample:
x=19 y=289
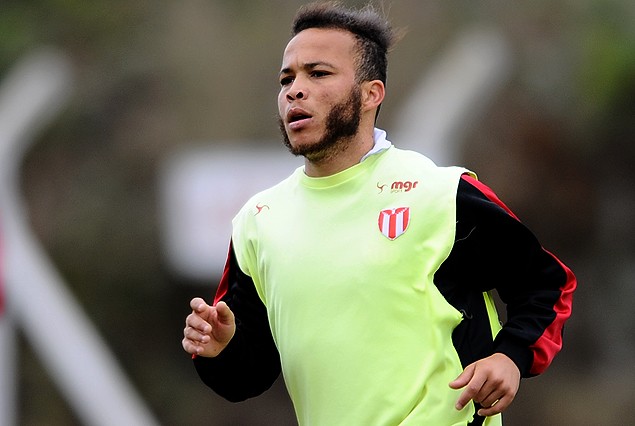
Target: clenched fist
x=208 y=329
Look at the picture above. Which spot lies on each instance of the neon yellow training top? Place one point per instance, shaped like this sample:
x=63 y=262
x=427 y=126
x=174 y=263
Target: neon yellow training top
x=345 y=265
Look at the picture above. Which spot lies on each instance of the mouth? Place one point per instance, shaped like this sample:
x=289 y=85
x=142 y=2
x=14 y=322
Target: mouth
x=297 y=118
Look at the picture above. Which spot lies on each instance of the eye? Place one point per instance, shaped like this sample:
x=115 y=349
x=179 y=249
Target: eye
x=284 y=81
x=318 y=74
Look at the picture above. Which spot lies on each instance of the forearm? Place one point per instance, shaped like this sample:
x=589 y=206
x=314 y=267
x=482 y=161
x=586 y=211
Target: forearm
x=238 y=372
x=537 y=309
x=250 y=363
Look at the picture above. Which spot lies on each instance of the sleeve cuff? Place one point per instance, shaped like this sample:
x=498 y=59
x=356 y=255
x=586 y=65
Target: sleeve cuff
x=521 y=356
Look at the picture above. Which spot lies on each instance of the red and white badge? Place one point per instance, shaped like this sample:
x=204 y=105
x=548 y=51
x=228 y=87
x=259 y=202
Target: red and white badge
x=394 y=222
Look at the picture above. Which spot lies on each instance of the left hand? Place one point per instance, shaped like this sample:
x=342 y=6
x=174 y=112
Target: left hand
x=491 y=382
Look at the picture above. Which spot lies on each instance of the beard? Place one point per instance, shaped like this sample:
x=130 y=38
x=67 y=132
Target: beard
x=342 y=123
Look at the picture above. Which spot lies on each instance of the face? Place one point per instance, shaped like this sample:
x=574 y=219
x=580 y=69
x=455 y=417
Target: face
x=319 y=101
x=342 y=123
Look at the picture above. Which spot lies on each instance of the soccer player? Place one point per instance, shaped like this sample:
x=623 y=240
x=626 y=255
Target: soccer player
x=366 y=276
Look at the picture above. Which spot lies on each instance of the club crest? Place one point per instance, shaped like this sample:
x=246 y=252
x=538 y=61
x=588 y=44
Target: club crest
x=394 y=222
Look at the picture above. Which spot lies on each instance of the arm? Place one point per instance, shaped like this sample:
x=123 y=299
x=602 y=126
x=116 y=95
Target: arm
x=248 y=364
x=496 y=251
x=536 y=287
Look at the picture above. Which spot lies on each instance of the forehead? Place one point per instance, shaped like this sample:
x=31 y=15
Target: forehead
x=317 y=45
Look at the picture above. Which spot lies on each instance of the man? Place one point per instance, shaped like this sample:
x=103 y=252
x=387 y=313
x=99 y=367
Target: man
x=365 y=276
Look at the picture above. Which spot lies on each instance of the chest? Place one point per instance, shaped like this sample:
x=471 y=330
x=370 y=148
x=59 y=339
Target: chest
x=373 y=241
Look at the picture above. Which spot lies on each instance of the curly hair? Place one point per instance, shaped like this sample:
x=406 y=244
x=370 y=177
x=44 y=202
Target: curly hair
x=373 y=33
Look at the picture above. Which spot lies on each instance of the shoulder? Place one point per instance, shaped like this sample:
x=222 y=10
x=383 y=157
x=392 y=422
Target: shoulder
x=406 y=161
x=473 y=194
x=261 y=199
x=409 y=158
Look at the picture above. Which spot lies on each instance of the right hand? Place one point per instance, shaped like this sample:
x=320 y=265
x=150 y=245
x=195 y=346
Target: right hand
x=208 y=329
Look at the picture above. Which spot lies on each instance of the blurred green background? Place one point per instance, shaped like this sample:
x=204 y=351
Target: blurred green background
x=151 y=77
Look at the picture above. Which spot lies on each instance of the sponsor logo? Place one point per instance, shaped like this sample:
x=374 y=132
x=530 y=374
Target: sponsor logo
x=406 y=186
x=394 y=222
x=398 y=186
x=260 y=208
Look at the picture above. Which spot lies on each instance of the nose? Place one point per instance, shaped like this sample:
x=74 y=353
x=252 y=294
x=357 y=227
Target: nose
x=295 y=94
x=297 y=91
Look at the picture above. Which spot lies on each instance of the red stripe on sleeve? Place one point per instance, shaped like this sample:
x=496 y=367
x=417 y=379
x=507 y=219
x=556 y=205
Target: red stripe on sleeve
x=550 y=341
x=487 y=191
x=223 y=285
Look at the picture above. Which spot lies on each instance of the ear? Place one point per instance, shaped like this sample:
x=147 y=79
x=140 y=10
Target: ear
x=373 y=93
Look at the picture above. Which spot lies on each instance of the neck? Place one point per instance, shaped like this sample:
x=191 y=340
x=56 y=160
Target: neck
x=335 y=162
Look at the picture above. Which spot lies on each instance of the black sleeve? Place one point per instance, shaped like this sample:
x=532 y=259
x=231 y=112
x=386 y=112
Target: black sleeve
x=250 y=364
x=495 y=251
